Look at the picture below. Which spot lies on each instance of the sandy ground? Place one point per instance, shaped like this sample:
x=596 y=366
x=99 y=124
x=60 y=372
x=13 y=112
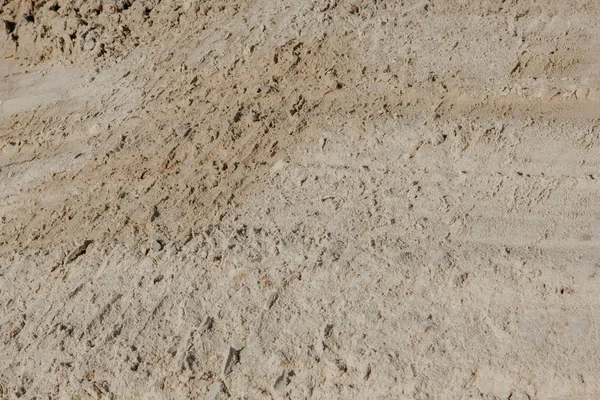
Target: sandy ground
x=315 y=199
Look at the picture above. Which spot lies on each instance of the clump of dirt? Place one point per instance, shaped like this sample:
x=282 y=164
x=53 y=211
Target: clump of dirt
x=87 y=32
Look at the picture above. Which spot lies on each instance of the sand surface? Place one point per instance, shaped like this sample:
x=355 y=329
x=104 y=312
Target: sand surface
x=319 y=199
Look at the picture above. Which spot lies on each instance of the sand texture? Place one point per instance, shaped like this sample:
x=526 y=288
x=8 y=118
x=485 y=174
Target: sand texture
x=321 y=199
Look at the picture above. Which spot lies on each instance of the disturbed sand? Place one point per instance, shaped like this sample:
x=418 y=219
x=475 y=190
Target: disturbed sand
x=314 y=199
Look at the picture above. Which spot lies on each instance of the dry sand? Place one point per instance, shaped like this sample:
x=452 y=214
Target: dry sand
x=300 y=199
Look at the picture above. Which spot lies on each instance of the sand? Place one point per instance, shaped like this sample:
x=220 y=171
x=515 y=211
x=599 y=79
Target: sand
x=289 y=200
